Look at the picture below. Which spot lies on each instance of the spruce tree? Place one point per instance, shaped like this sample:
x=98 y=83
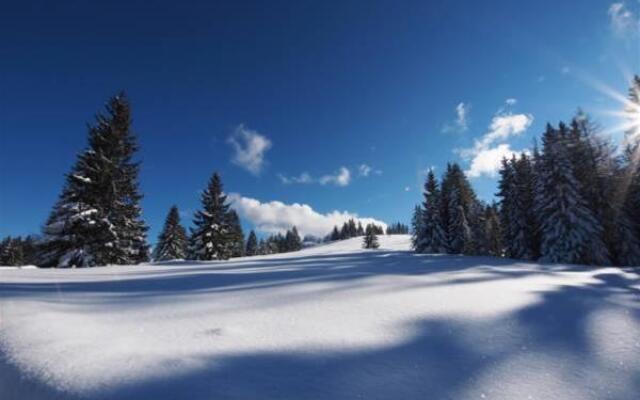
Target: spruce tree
x=236 y=234
x=212 y=237
x=433 y=238
x=97 y=219
x=12 y=252
x=292 y=240
x=416 y=226
x=370 y=240
x=590 y=165
x=335 y=234
x=627 y=186
x=567 y=225
x=252 y=244
x=460 y=202
x=172 y=241
x=360 y=231
x=519 y=222
x=492 y=233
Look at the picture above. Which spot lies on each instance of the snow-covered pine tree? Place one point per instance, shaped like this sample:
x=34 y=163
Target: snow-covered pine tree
x=416 y=226
x=211 y=238
x=523 y=222
x=292 y=239
x=370 y=240
x=432 y=238
x=589 y=163
x=252 y=248
x=460 y=201
x=236 y=234
x=627 y=186
x=567 y=225
x=12 y=252
x=507 y=195
x=335 y=234
x=97 y=219
x=492 y=231
x=172 y=242
x=360 y=231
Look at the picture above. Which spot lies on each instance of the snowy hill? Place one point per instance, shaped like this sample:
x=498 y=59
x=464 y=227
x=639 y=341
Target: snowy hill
x=329 y=322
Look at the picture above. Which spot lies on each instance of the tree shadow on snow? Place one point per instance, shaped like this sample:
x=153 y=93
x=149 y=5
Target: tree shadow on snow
x=247 y=274
x=440 y=358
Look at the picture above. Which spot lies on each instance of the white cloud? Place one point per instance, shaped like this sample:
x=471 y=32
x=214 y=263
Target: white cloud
x=302 y=178
x=485 y=155
x=487 y=162
x=249 y=147
x=340 y=178
x=623 y=21
x=276 y=216
x=511 y=101
x=461 y=122
x=364 y=170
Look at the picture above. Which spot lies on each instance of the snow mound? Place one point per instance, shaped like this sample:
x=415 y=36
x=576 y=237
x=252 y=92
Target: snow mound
x=333 y=321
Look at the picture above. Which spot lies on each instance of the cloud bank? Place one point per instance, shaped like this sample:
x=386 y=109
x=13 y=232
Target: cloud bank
x=276 y=216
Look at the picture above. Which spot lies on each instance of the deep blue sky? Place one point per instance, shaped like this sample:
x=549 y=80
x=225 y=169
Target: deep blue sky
x=330 y=84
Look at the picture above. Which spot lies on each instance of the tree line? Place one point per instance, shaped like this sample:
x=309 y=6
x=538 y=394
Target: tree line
x=350 y=230
x=97 y=217
x=575 y=200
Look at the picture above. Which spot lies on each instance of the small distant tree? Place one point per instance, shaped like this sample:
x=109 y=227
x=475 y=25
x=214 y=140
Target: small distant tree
x=12 y=252
x=252 y=244
x=172 y=242
x=370 y=240
x=292 y=240
x=335 y=234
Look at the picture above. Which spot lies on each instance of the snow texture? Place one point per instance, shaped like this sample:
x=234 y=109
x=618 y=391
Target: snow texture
x=330 y=322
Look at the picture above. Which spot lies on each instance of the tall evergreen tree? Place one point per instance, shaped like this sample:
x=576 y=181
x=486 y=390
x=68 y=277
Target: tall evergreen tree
x=568 y=226
x=507 y=194
x=459 y=208
x=519 y=225
x=172 y=241
x=212 y=237
x=236 y=235
x=416 y=226
x=626 y=201
x=492 y=233
x=252 y=244
x=97 y=219
x=370 y=240
x=432 y=238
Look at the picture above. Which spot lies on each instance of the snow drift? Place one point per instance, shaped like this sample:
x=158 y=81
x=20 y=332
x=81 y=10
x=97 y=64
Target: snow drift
x=329 y=322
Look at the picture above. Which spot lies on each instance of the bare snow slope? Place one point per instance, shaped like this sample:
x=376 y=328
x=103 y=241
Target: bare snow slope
x=330 y=322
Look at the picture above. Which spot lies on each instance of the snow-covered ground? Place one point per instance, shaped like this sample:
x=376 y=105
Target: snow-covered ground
x=329 y=322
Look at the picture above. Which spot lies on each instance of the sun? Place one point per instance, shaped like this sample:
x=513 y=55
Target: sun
x=628 y=114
